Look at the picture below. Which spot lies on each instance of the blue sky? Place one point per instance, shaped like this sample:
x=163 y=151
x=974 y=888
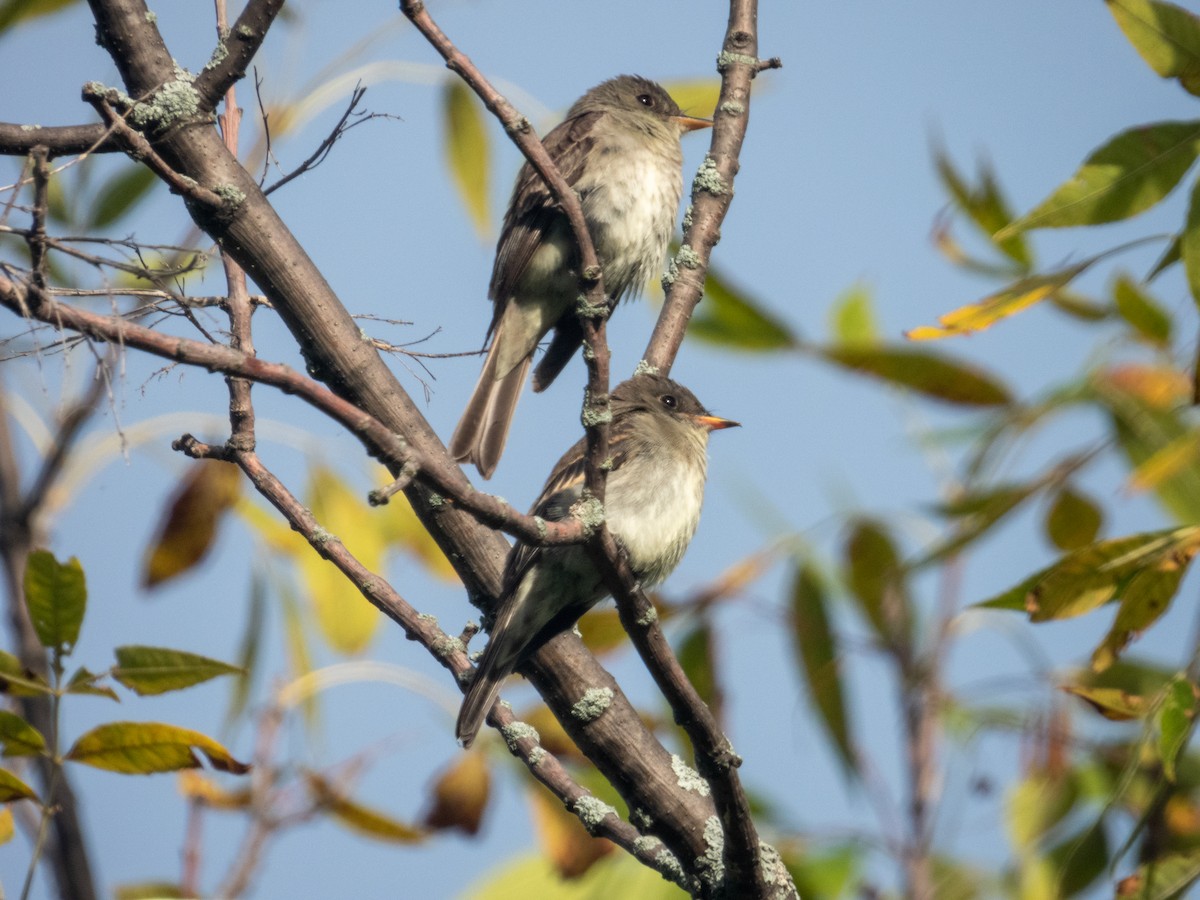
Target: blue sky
x=836 y=189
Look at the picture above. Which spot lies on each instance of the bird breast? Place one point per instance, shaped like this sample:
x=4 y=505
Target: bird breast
x=631 y=211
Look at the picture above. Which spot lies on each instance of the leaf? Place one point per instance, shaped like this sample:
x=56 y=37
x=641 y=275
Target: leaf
x=876 y=579
x=18 y=736
x=932 y=374
x=198 y=787
x=56 y=595
x=1112 y=703
x=467 y=151
x=977 y=513
x=460 y=794
x=400 y=528
x=1167 y=37
x=1175 y=723
x=249 y=648
x=729 y=318
x=346 y=619
x=157 y=670
x=362 y=819
x=1189 y=244
x=14 y=11
x=119 y=195
x=1158 y=387
x=1167 y=462
x=142 y=748
x=696 y=656
x=17 y=681
x=1126 y=176
x=533 y=875
x=149 y=890
x=7 y=831
x=1073 y=520
x=189 y=526
x=852 y=318
x=818 y=649
x=985 y=313
x=1146 y=317
x=984 y=205
x=13 y=788
x=1034 y=805
x=697 y=96
x=88 y=684
x=1161 y=878
x=1080 y=859
x=563 y=839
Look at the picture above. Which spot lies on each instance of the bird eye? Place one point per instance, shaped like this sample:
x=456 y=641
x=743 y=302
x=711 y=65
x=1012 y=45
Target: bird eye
x=646 y=100
x=669 y=401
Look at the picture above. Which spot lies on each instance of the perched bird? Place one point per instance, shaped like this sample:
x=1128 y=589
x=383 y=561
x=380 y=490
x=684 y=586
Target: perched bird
x=659 y=441
x=619 y=149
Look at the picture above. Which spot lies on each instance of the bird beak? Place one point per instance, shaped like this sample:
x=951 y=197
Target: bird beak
x=715 y=423
x=691 y=123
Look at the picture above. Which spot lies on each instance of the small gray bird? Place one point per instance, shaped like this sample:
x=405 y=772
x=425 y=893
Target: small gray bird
x=659 y=441
x=619 y=149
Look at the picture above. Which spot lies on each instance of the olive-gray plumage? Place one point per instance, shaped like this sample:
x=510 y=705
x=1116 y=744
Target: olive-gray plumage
x=619 y=149
x=658 y=441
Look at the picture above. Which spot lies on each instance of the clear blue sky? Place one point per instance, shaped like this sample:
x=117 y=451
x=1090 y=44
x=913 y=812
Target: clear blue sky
x=836 y=188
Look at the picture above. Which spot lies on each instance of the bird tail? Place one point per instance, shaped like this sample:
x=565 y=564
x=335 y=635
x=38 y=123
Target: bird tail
x=508 y=639
x=483 y=429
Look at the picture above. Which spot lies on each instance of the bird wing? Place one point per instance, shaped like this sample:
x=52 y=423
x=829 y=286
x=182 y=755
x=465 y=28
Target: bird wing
x=534 y=211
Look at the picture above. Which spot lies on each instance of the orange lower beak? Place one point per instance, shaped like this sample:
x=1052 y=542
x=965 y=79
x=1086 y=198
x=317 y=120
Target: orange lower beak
x=691 y=123
x=715 y=423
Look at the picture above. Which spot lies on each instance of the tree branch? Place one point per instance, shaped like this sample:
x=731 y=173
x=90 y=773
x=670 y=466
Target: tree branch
x=59 y=140
x=235 y=50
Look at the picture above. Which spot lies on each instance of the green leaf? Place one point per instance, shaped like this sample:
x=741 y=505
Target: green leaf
x=56 y=595
x=1163 y=878
x=932 y=374
x=18 y=736
x=1145 y=596
x=984 y=205
x=818 y=648
x=13 y=788
x=1146 y=317
x=467 y=153
x=853 y=318
x=1035 y=804
x=149 y=890
x=1126 y=176
x=17 y=681
x=250 y=648
x=1175 y=723
x=696 y=657
x=1080 y=860
x=1189 y=244
x=14 y=11
x=142 y=748
x=876 y=579
x=157 y=670
x=1073 y=521
x=119 y=195
x=1114 y=704
x=1167 y=37
x=977 y=513
x=729 y=318
x=88 y=683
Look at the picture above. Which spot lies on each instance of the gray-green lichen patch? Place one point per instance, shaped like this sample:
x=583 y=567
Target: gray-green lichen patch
x=321 y=536
x=447 y=645
x=592 y=704
x=515 y=732
x=220 y=52
x=175 y=102
x=590 y=310
x=232 y=196
x=592 y=811
x=151 y=17
x=670 y=275
x=687 y=257
x=595 y=414
x=708 y=179
x=649 y=617
x=590 y=512
x=540 y=524
x=644 y=368
x=733 y=108
x=725 y=59
x=687 y=777
x=640 y=819
x=646 y=843
x=245 y=32
x=775 y=873
x=537 y=756
x=711 y=865
x=687 y=217
x=435 y=500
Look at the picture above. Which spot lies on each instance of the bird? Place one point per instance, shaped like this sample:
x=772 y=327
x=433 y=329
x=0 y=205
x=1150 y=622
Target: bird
x=619 y=148
x=658 y=441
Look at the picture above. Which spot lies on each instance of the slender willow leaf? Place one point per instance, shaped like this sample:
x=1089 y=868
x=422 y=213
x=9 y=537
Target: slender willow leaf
x=13 y=788
x=467 y=151
x=1167 y=37
x=1112 y=703
x=1189 y=244
x=196 y=786
x=1162 y=878
x=1018 y=296
x=729 y=318
x=818 y=649
x=1126 y=176
x=1136 y=307
x=157 y=670
x=1035 y=804
x=876 y=579
x=361 y=819
x=141 y=748
x=18 y=736
x=932 y=374
x=149 y=890
x=1079 y=860
x=189 y=527
x=852 y=318
x=984 y=204
x=120 y=194
x=14 y=11
x=56 y=595
x=1175 y=723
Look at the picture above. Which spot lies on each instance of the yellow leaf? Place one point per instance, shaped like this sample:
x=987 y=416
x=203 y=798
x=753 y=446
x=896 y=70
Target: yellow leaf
x=467 y=150
x=345 y=618
x=696 y=96
x=399 y=527
x=460 y=794
x=362 y=819
x=6 y=825
x=1166 y=462
x=1112 y=703
x=190 y=524
x=562 y=836
x=201 y=788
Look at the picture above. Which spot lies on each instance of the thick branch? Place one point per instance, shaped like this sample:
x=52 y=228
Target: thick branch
x=235 y=51
x=59 y=140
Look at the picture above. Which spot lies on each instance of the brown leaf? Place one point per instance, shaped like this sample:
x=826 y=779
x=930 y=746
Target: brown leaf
x=189 y=526
x=460 y=794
